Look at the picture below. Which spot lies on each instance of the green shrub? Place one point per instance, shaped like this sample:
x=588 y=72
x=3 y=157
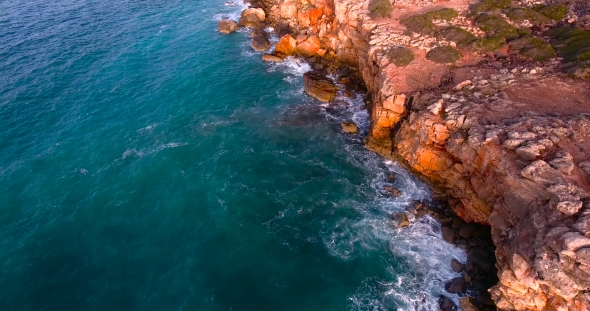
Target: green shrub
x=573 y=43
x=532 y=48
x=444 y=55
x=423 y=24
x=462 y=37
x=489 y=5
x=520 y=14
x=490 y=44
x=400 y=56
x=446 y=14
x=380 y=8
x=496 y=26
x=554 y=12
x=420 y=24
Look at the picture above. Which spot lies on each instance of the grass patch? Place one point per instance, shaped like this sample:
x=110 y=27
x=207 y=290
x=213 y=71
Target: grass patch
x=554 y=12
x=380 y=8
x=490 y=44
x=400 y=56
x=490 y=5
x=573 y=44
x=444 y=55
x=463 y=38
x=533 y=48
x=496 y=26
x=520 y=14
x=423 y=24
x=446 y=14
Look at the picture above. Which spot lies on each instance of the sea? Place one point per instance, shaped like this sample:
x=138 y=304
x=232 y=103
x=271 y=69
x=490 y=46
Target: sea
x=148 y=162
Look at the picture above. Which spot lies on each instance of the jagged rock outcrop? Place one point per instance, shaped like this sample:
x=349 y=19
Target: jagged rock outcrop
x=319 y=86
x=227 y=26
x=502 y=144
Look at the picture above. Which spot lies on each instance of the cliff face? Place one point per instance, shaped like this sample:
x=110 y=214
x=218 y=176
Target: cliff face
x=508 y=145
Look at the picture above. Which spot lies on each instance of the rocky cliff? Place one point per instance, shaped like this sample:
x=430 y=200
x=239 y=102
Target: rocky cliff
x=486 y=101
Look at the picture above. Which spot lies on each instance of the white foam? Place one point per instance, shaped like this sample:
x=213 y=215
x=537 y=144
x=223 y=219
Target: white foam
x=420 y=246
x=232 y=12
x=292 y=66
x=151 y=150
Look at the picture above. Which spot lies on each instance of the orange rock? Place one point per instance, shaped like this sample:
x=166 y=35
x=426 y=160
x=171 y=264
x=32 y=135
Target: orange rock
x=286 y=46
x=309 y=47
x=314 y=15
x=326 y=5
x=321 y=52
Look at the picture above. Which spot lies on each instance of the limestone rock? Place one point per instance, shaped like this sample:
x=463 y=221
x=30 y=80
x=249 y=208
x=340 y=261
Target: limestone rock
x=392 y=190
x=349 y=127
x=541 y=173
x=319 y=86
x=252 y=18
x=456 y=286
x=457 y=266
x=529 y=152
x=309 y=47
x=401 y=219
x=227 y=26
x=466 y=304
x=272 y=58
x=286 y=45
x=446 y=304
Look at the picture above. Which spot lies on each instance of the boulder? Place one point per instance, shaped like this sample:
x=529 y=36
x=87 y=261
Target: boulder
x=272 y=58
x=309 y=47
x=393 y=190
x=456 y=285
x=448 y=235
x=286 y=46
x=252 y=18
x=349 y=127
x=446 y=304
x=563 y=162
x=401 y=219
x=319 y=86
x=457 y=266
x=289 y=9
x=260 y=43
x=466 y=304
x=227 y=26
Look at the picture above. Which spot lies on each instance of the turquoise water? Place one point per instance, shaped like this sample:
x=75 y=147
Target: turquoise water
x=149 y=163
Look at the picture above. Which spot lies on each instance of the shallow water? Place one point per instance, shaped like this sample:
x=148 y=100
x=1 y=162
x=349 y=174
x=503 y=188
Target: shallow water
x=149 y=163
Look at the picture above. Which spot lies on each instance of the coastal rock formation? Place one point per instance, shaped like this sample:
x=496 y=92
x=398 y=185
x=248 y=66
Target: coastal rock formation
x=260 y=42
x=508 y=145
x=227 y=26
x=253 y=17
x=349 y=127
x=319 y=86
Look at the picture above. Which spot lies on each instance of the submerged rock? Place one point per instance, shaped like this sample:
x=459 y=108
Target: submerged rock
x=393 y=190
x=227 y=26
x=349 y=127
x=319 y=86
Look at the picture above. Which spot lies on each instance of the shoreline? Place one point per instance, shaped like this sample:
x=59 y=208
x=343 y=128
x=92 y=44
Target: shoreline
x=497 y=156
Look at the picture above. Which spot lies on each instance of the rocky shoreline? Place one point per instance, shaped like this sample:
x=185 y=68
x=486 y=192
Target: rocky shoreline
x=485 y=100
